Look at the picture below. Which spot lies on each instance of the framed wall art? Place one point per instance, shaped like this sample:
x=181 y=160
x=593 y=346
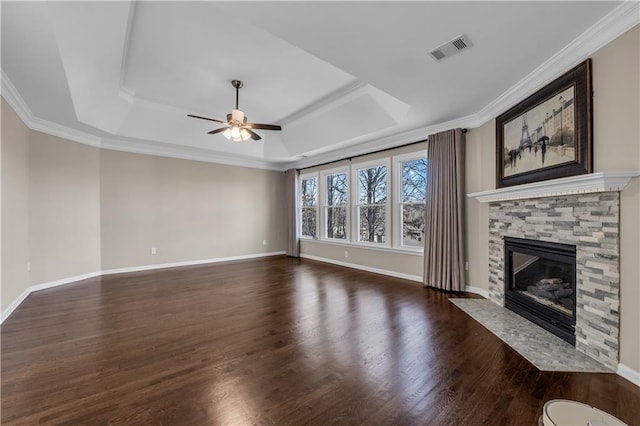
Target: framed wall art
x=549 y=134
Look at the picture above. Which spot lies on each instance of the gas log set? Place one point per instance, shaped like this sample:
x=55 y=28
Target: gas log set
x=554 y=290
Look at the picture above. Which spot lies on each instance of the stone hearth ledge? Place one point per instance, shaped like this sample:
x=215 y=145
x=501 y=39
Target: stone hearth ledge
x=541 y=348
x=581 y=184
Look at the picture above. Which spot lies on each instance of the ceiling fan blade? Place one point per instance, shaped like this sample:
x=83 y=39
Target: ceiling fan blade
x=262 y=126
x=221 y=129
x=205 y=118
x=254 y=135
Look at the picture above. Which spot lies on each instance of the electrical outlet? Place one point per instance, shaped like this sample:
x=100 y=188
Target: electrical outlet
x=346 y=253
x=28 y=266
x=154 y=250
x=264 y=242
x=466 y=266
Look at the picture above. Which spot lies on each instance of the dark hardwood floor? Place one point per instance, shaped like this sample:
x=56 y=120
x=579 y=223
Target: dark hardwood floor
x=272 y=341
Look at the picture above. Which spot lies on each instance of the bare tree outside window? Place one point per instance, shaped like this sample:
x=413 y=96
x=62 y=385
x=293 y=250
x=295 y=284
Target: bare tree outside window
x=372 y=204
x=336 y=208
x=414 y=190
x=309 y=207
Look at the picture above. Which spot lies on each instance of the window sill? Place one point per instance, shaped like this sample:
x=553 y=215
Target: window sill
x=365 y=246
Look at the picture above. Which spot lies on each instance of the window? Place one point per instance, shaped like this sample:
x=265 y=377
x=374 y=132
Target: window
x=371 y=208
x=336 y=204
x=411 y=195
x=378 y=203
x=309 y=206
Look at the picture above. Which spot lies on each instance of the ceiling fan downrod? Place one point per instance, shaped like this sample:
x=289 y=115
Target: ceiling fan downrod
x=237 y=84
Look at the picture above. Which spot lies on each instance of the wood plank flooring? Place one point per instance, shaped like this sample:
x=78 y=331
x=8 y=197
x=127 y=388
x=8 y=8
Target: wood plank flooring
x=274 y=341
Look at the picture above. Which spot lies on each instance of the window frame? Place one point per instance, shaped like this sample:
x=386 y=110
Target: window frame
x=355 y=187
x=323 y=211
x=302 y=177
x=397 y=198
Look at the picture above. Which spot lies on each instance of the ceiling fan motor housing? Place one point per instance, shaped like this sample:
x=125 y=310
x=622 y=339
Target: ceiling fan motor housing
x=236 y=118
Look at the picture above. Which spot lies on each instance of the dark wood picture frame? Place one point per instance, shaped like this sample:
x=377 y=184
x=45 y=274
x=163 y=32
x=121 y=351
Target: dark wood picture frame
x=564 y=135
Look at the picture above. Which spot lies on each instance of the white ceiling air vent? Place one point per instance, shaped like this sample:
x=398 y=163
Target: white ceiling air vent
x=451 y=48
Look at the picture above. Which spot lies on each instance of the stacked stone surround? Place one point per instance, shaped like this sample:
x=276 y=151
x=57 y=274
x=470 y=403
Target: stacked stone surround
x=591 y=223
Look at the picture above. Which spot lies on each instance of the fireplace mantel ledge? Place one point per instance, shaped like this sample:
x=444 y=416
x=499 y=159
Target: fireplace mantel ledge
x=582 y=184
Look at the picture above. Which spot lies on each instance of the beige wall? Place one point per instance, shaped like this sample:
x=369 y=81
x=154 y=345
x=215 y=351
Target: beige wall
x=64 y=208
x=479 y=176
x=386 y=260
x=616 y=128
x=398 y=263
x=71 y=209
x=187 y=210
x=616 y=96
x=15 y=206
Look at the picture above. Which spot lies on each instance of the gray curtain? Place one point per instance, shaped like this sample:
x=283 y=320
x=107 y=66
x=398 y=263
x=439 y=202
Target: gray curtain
x=444 y=212
x=291 y=191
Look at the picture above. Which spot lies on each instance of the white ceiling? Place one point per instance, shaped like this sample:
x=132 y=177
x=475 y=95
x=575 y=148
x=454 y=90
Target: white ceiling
x=341 y=77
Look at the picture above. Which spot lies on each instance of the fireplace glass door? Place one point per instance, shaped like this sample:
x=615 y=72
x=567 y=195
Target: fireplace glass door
x=549 y=282
x=540 y=284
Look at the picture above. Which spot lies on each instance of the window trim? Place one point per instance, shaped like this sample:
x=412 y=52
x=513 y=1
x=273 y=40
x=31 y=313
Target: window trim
x=302 y=177
x=397 y=198
x=355 y=186
x=322 y=235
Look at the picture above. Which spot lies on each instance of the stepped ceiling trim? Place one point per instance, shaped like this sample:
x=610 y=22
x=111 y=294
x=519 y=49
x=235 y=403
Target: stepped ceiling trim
x=621 y=19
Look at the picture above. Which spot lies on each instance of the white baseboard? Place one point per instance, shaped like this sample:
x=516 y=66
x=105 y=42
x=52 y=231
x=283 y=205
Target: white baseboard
x=12 y=307
x=629 y=373
x=189 y=263
x=477 y=290
x=69 y=280
x=364 y=268
x=43 y=286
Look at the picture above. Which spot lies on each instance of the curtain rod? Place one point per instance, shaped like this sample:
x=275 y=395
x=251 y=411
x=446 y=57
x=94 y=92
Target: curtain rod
x=369 y=153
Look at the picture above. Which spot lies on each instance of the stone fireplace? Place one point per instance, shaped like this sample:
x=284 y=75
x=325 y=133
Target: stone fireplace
x=578 y=212
x=589 y=221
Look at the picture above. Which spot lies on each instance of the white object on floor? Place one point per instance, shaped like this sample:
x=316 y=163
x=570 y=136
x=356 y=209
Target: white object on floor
x=564 y=412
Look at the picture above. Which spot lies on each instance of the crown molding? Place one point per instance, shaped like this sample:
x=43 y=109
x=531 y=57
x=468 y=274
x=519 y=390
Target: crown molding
x=581 y=184
x=385 y=142
x=13 y=98
x=189 y=153
x=607 y=29
x=618 y=21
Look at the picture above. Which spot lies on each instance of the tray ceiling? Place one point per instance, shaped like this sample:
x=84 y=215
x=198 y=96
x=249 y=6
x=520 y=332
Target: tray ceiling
x=341 y=77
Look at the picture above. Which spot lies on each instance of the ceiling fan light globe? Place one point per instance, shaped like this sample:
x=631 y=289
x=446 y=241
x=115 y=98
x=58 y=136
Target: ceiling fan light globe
x=242 y=137
x=244 y=134
x=236 y=134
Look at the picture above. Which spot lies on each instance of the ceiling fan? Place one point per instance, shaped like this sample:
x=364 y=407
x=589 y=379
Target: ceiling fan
x=237 y=129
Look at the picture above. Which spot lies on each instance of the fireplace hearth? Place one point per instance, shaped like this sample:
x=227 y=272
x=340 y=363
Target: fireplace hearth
x=540 y=284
